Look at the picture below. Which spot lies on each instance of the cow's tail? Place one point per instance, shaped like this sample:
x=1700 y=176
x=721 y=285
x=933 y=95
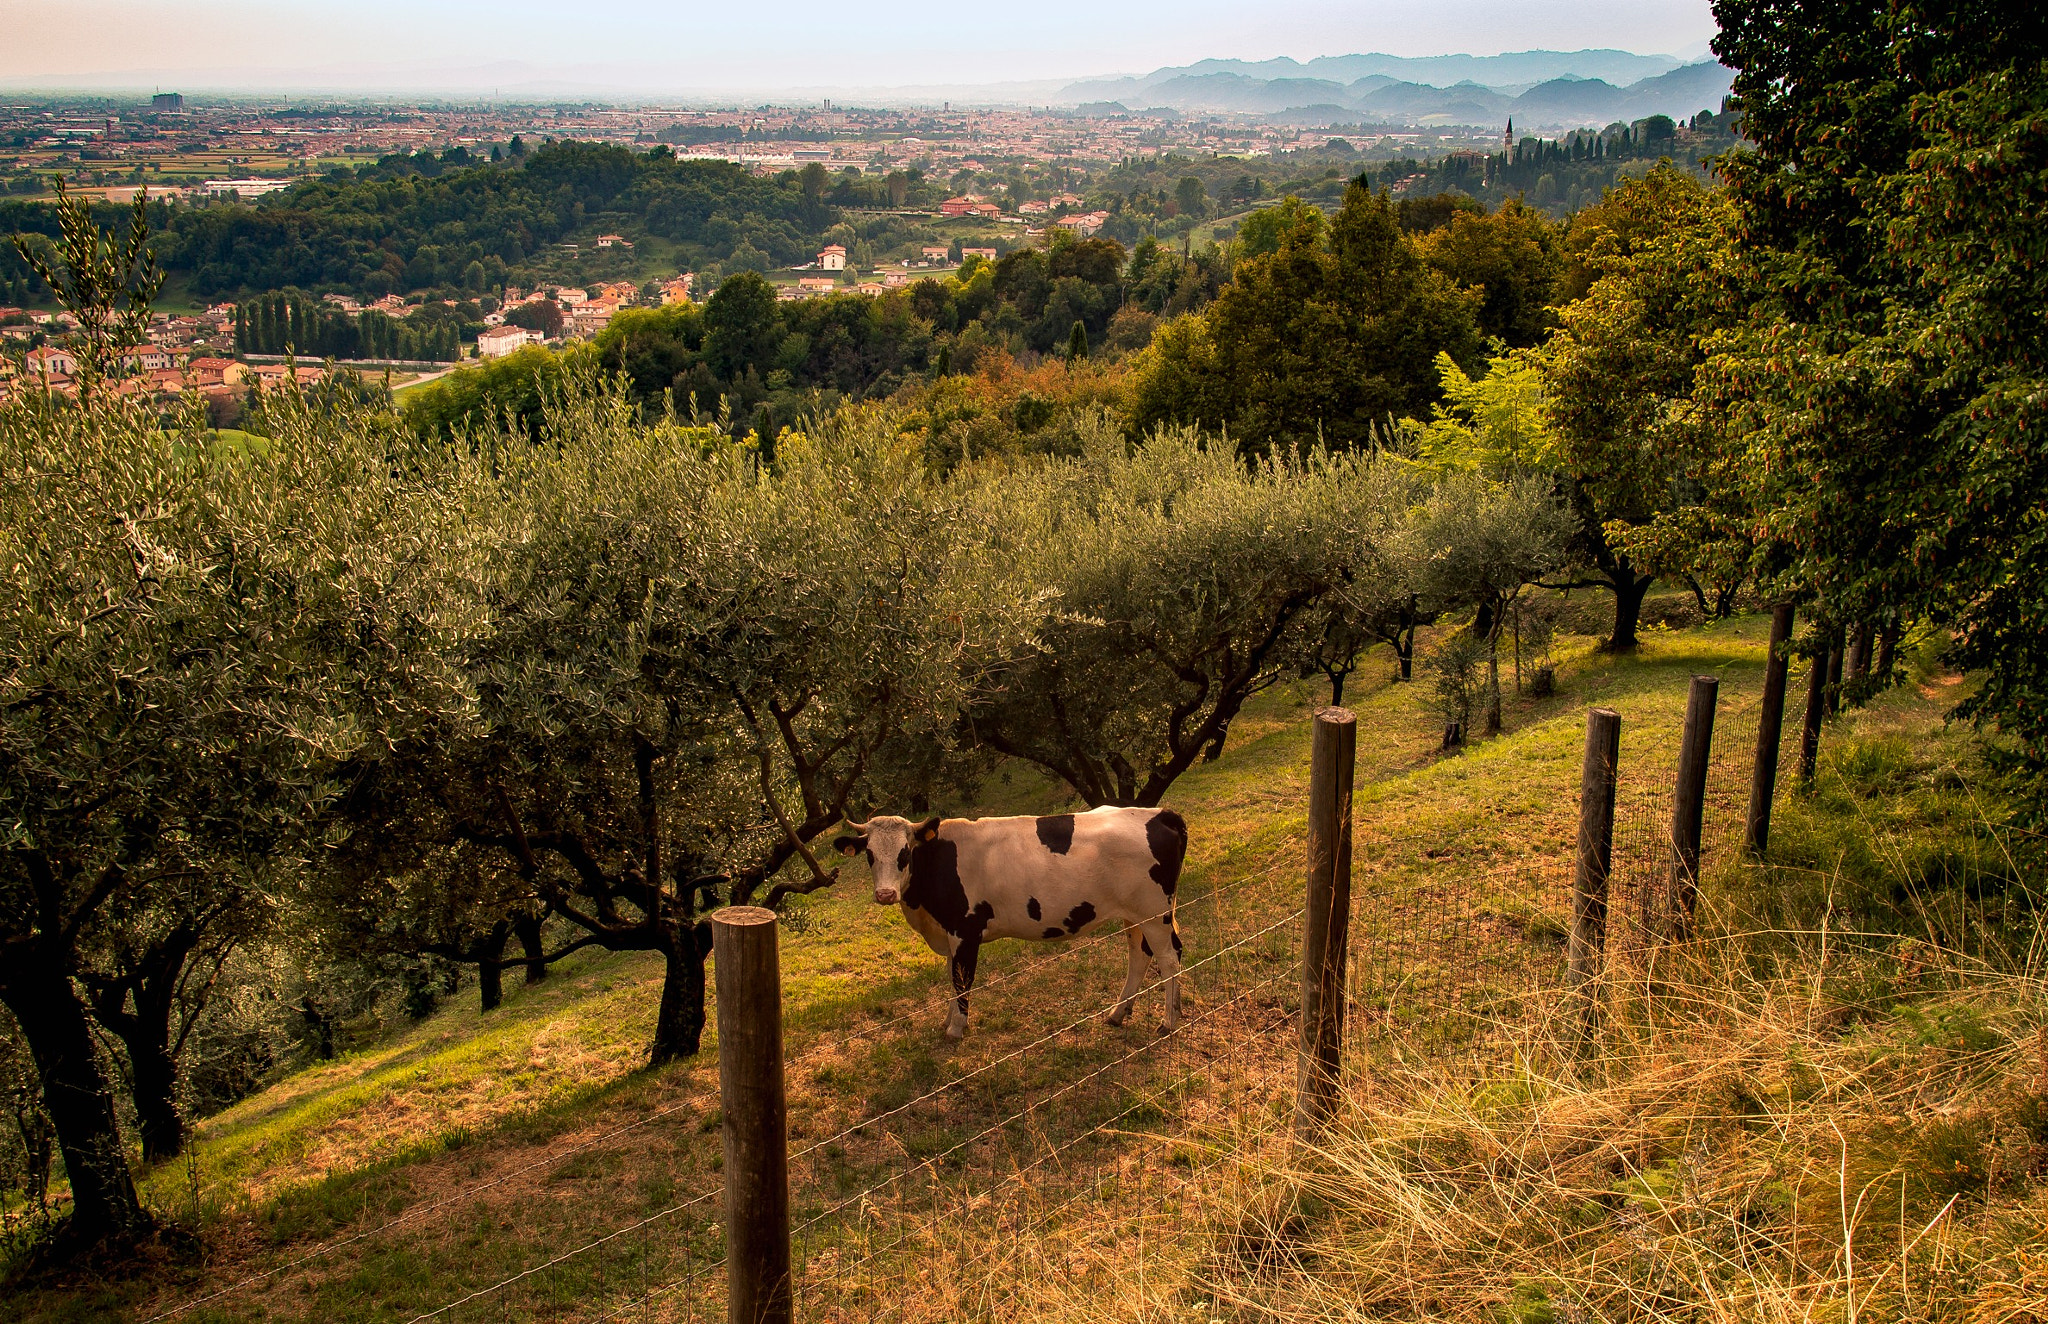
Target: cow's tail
x=1167 y=834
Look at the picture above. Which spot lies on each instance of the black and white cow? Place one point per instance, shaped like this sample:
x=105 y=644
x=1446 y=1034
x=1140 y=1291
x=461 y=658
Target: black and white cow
x=966 y=881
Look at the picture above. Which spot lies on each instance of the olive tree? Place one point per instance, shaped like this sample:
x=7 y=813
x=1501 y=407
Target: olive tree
x=1486 y=540
x=1173 y=580
x=154 y=783
x=690 y=664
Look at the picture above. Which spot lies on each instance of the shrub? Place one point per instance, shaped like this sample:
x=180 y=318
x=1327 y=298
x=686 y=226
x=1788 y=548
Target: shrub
x=1457 y=681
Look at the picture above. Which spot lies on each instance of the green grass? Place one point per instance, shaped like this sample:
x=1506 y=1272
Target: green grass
x=462 y=1099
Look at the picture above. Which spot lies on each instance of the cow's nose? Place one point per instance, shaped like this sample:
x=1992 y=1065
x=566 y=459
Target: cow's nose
x=885 y=896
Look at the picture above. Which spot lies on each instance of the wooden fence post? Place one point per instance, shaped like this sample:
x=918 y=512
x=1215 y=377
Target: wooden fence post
x=1816 y=709
x=1834 y=691
x=1770 y=729
x=748 y=969
x=1326 y=929
x=1595 y=858
x=1689 y=802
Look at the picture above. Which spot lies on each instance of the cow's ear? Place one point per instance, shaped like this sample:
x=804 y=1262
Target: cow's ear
x=929 y=829
x=850 y=845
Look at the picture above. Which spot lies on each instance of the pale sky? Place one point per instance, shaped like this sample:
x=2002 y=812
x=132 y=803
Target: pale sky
x=680 y=45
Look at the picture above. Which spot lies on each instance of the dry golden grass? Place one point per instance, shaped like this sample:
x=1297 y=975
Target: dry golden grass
x=1488 y=1166
x=1747 y=1148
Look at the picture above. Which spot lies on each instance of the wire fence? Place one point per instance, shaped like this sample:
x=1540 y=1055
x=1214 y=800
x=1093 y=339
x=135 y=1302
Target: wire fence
x=925 y=1184
x=1641 y=888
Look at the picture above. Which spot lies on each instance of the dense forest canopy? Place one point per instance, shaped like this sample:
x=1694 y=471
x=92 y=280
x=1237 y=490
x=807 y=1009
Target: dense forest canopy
x=400 y=230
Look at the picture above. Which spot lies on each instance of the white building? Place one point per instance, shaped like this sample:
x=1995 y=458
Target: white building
x=832 y=258
x=499 y=341
x=246 y=188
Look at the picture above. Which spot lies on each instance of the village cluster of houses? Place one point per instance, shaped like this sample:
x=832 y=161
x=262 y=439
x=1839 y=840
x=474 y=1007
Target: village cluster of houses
x=584 y=312
x=193 y=352
x=1081 y=223
x=152 y=370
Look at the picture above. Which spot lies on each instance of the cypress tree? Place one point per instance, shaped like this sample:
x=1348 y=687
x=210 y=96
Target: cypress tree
x=1077 y=343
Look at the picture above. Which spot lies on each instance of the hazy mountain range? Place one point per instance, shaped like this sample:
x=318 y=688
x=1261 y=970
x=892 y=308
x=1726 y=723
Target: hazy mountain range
x=1538 y=89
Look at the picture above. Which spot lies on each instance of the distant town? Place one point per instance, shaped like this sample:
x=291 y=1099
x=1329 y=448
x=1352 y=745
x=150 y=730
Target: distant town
x=863 y=201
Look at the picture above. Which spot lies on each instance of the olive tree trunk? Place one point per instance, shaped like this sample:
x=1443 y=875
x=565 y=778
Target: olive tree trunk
x=78 y=1098
x=528 y=927
x=679 y=1028
x=490 y=971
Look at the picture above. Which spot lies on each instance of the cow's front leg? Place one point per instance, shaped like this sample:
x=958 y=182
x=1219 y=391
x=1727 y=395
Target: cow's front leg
x=1162 y=936
x=966 y=952
x=1122 y=1011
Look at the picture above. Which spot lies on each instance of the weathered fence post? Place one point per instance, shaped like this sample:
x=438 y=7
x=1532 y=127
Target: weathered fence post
x=1326 y=929
x=1595 y=858
x=1816 y=709
x=1689 y=802
x=1770 y=730
x=749 y=974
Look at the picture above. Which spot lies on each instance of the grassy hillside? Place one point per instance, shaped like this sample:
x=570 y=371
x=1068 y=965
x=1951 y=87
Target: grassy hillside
x=1154 y=1172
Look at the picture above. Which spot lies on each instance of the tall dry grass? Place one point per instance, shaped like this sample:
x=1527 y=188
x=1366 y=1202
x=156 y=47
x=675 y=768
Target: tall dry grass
x=1738 y=1140
x=1770 y=1127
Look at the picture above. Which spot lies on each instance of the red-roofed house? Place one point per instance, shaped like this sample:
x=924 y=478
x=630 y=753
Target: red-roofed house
x=52 y=362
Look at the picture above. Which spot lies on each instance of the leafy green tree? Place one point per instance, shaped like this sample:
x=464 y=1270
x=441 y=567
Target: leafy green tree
x=740 y=324
x=1316 y=339
x=516 y=388
x=1191 y=195
x=1618 y=377
x=1266 y=229
x=1484 y=540
x=1512 y=258
x=542 y=315
x=1495 y=424
x=1891 y=370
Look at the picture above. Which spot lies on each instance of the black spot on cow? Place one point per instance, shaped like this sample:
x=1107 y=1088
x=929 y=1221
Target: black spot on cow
x=935 y=887
x=1031 y=908
x=902 y=859
x=1080 y=917
x=1167 y=834
x=1056 y=833
x=967 y=953
x=1055 y=933
x=1145 y=945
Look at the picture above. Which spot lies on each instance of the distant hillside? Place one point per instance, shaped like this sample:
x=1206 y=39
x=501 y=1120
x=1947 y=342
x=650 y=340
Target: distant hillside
x=1539 y=89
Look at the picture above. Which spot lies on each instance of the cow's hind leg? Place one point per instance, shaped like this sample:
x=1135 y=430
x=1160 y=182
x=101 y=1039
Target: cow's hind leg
x=1122 y=1011
x=966 y=954
x=1162 y=939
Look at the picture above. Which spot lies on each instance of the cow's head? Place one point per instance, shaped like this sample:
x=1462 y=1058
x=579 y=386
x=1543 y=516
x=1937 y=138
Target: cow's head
x=887 y=841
